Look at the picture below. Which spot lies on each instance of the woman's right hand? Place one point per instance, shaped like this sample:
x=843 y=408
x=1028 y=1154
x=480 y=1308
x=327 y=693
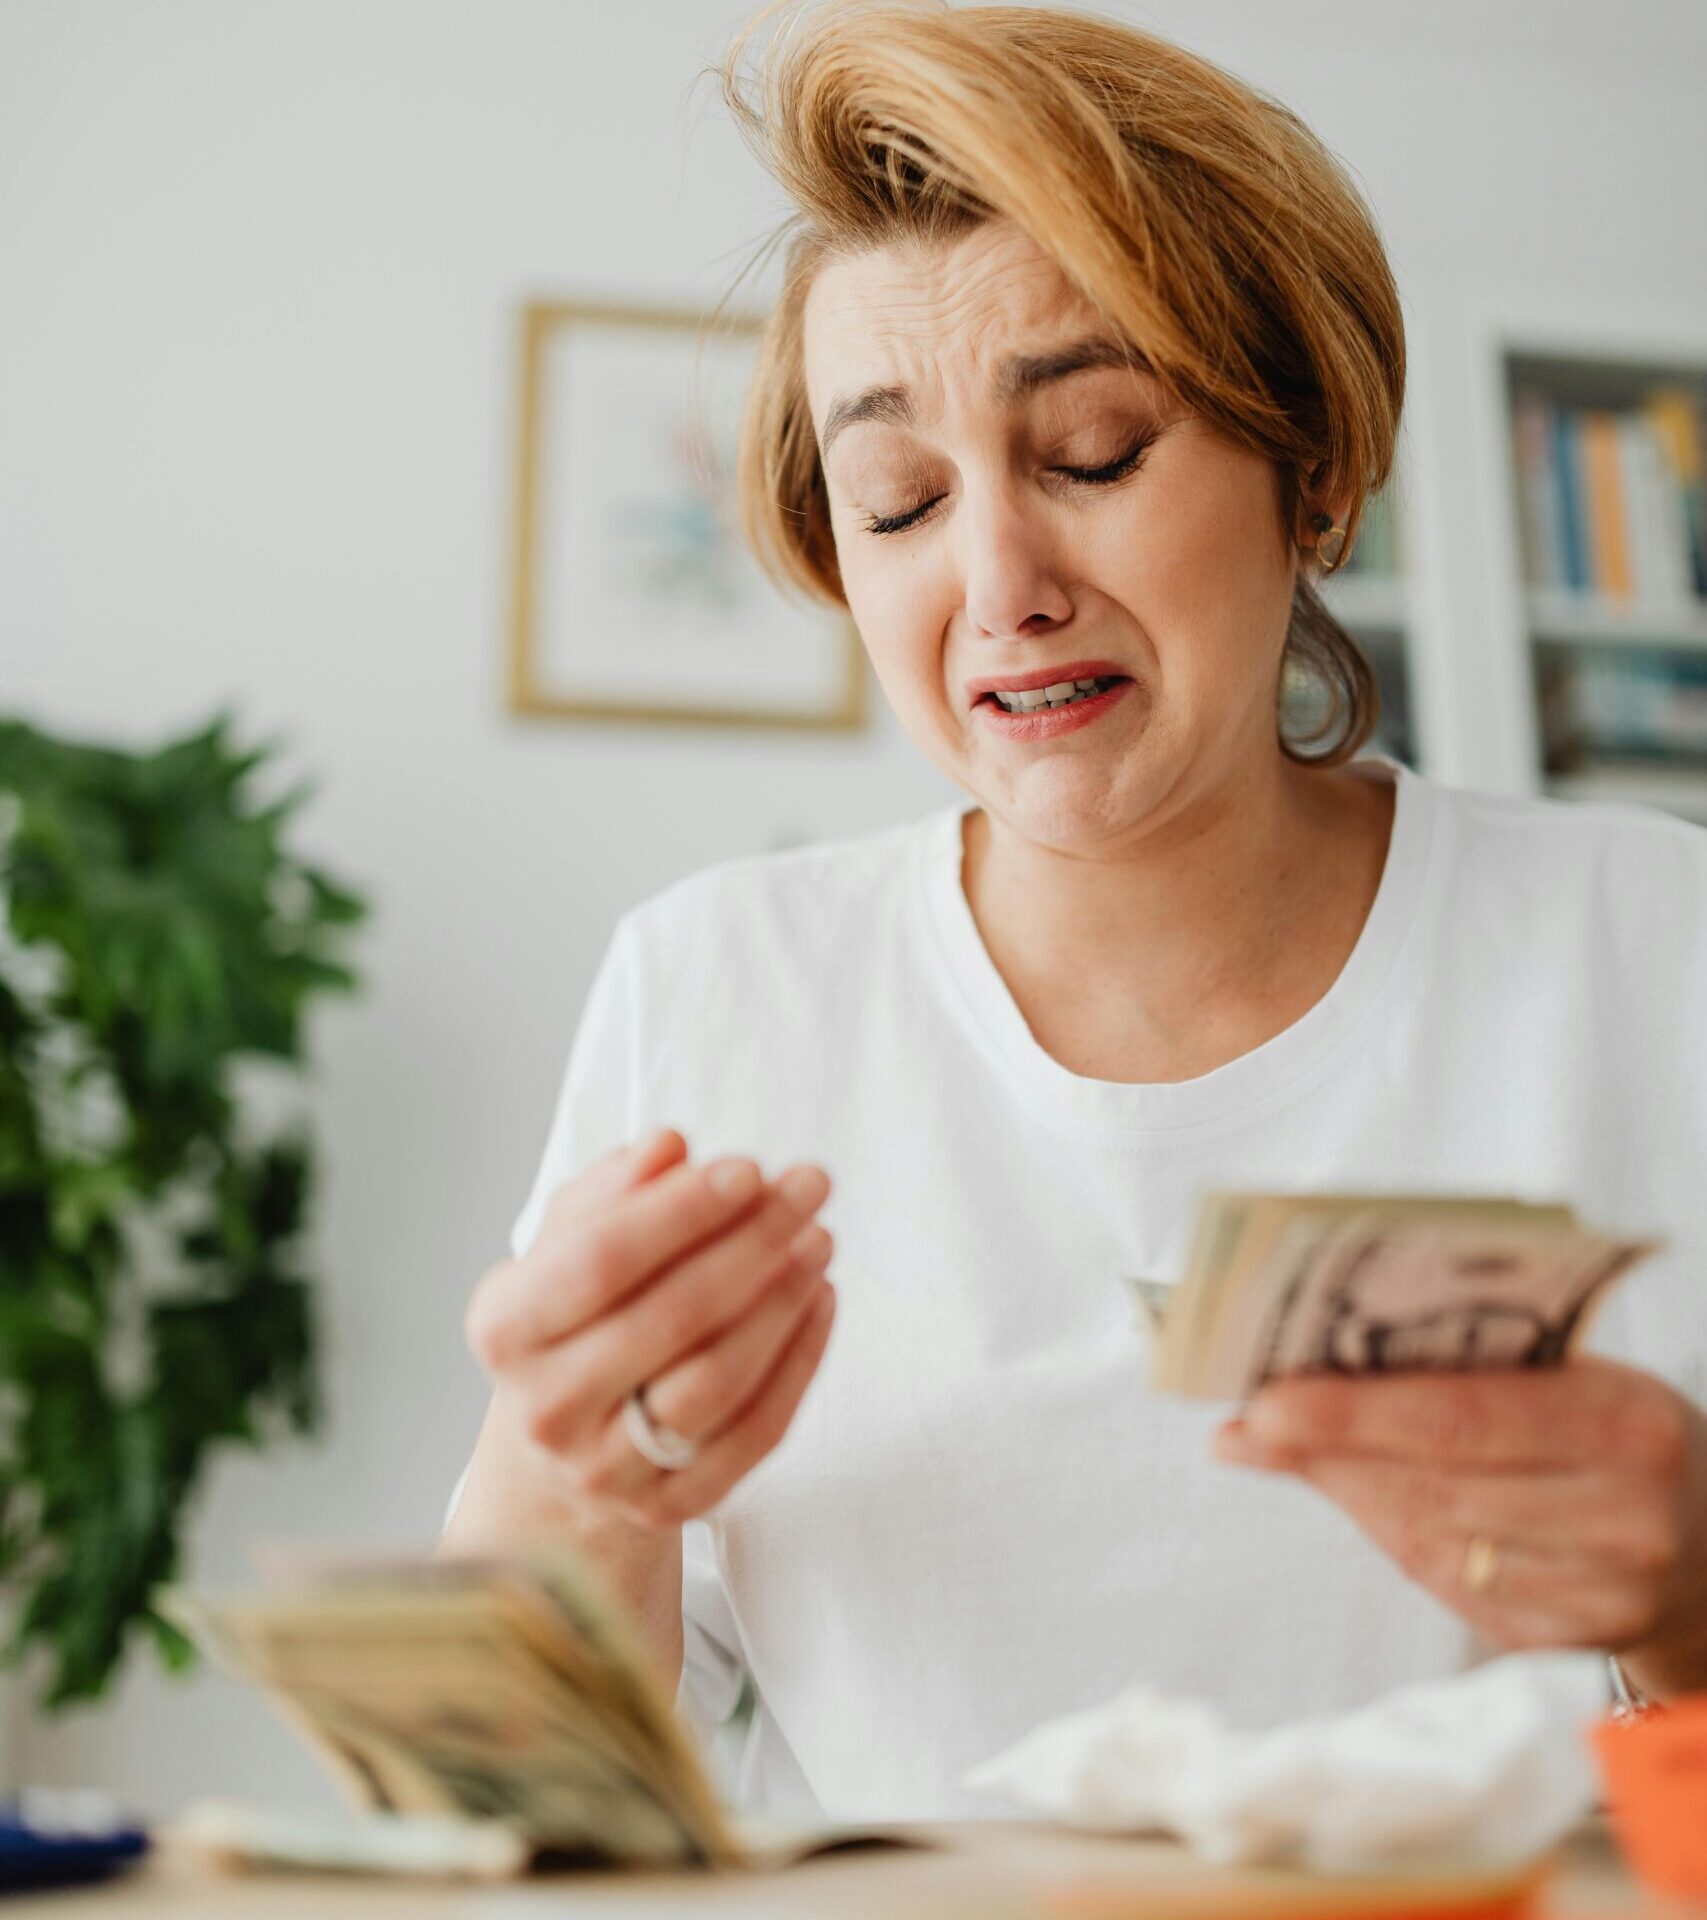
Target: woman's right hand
x=703 y=1284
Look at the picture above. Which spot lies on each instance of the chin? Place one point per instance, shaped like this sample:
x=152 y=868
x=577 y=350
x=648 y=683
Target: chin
x=1067 y=808
x=1066 y=794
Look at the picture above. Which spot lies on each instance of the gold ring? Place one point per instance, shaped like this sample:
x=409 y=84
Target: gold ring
x=1481 y=1564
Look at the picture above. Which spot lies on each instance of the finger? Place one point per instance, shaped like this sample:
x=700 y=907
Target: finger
x=604 y=1183
x=1571 y=1596
x=1587 y=1412
x=600 y=1257
x=1599 y=1514
x=704 y=1292
x=504 y=1289
x=612 y=1467
x=756 y=1429
x=698 y=1395
x=571 y=1386
x=619 y=1171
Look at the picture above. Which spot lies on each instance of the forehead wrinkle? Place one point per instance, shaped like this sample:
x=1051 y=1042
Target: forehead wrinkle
x=994 y=283
x=1016 y=379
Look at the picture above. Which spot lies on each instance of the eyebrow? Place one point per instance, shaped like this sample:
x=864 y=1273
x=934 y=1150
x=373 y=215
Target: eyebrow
x=1016 y=379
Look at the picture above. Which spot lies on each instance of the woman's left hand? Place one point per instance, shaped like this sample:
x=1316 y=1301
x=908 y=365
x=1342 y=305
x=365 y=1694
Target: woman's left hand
x=1549 y=1509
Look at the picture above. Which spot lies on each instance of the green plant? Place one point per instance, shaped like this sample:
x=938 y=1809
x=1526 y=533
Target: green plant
x=157 y=945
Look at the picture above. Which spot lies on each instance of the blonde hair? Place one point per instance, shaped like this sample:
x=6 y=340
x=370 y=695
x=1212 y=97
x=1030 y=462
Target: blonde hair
x=1201 y=219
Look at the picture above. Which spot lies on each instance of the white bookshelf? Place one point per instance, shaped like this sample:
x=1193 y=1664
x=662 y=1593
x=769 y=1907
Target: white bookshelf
x=1576 y=643
x=1591 y=619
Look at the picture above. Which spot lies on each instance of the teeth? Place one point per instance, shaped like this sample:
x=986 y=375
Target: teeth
x=1058 y=694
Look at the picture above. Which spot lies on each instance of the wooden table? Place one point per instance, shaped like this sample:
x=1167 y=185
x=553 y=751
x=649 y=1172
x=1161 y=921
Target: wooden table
x=1001 y=1870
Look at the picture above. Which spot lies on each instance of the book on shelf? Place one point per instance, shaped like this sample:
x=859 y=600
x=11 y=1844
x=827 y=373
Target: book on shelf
x=1642 y=708
x=1611 y=499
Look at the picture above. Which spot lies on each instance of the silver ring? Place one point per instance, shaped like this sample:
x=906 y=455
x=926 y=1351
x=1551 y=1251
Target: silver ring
x=663 y=1446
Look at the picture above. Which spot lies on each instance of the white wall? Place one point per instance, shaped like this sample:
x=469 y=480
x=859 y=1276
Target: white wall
x=258 y=272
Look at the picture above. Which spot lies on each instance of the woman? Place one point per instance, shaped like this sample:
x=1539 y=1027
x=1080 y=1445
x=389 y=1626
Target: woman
x=1086 y=361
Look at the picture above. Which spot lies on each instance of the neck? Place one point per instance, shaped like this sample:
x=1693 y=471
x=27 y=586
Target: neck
x=1158 y=953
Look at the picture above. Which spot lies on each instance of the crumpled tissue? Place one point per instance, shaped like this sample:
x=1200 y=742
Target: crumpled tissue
x=1488 y=1767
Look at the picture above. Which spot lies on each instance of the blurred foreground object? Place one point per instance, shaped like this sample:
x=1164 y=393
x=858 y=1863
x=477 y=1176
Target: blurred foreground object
x=52 y=1838
x=1483 y=1770
x=509 y=1690
x=233 y=1838
x=153 y=933
x=1654 y=1764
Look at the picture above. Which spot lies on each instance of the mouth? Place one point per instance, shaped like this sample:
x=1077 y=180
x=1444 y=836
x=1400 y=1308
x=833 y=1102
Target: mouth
x=1052 y=696
x=1058 y=685
x=1044 y=722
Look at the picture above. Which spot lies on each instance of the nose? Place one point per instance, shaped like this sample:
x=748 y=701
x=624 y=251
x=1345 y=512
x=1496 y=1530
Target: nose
x=1013 y=583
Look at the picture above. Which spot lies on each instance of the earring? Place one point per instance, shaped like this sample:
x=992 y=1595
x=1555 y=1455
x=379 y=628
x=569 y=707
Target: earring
x=1330 y=548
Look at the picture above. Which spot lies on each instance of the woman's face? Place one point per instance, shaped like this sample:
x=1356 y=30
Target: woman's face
x=1172 y=570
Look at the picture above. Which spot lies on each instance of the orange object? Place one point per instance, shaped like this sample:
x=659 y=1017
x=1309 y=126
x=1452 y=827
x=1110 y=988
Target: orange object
x=1609 y=539
x=1274 y=1894
x=1654 y=1767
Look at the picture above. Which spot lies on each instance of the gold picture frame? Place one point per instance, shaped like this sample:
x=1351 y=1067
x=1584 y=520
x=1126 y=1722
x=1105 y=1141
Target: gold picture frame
x=619 y=366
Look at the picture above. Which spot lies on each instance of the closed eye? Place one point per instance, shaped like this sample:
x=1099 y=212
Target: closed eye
x=1108 y=476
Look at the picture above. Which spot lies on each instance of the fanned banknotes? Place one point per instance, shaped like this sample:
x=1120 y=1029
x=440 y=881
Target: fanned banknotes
x=492 y=1689
x=1279 y=1284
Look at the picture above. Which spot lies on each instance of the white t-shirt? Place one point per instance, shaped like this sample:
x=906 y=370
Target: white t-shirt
x=981 y=1518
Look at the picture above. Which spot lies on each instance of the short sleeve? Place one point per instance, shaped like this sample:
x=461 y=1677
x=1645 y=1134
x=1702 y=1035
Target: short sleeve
x=595 y=1108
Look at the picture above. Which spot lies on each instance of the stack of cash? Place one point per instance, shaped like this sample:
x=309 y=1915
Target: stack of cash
x=486 y=1689
x=1279 y=1284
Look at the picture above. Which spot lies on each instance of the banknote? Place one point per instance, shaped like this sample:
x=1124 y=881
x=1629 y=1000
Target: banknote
x=489 y=1689
x=513 y=1690
x=1279 y=1284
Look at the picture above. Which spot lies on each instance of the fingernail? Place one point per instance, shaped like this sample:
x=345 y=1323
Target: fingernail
x=735 y=1179
x=1267 y=1423
x=811 y=1243
x=807 y=1187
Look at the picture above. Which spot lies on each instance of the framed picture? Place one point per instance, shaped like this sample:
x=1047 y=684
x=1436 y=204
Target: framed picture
x=633 y=594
